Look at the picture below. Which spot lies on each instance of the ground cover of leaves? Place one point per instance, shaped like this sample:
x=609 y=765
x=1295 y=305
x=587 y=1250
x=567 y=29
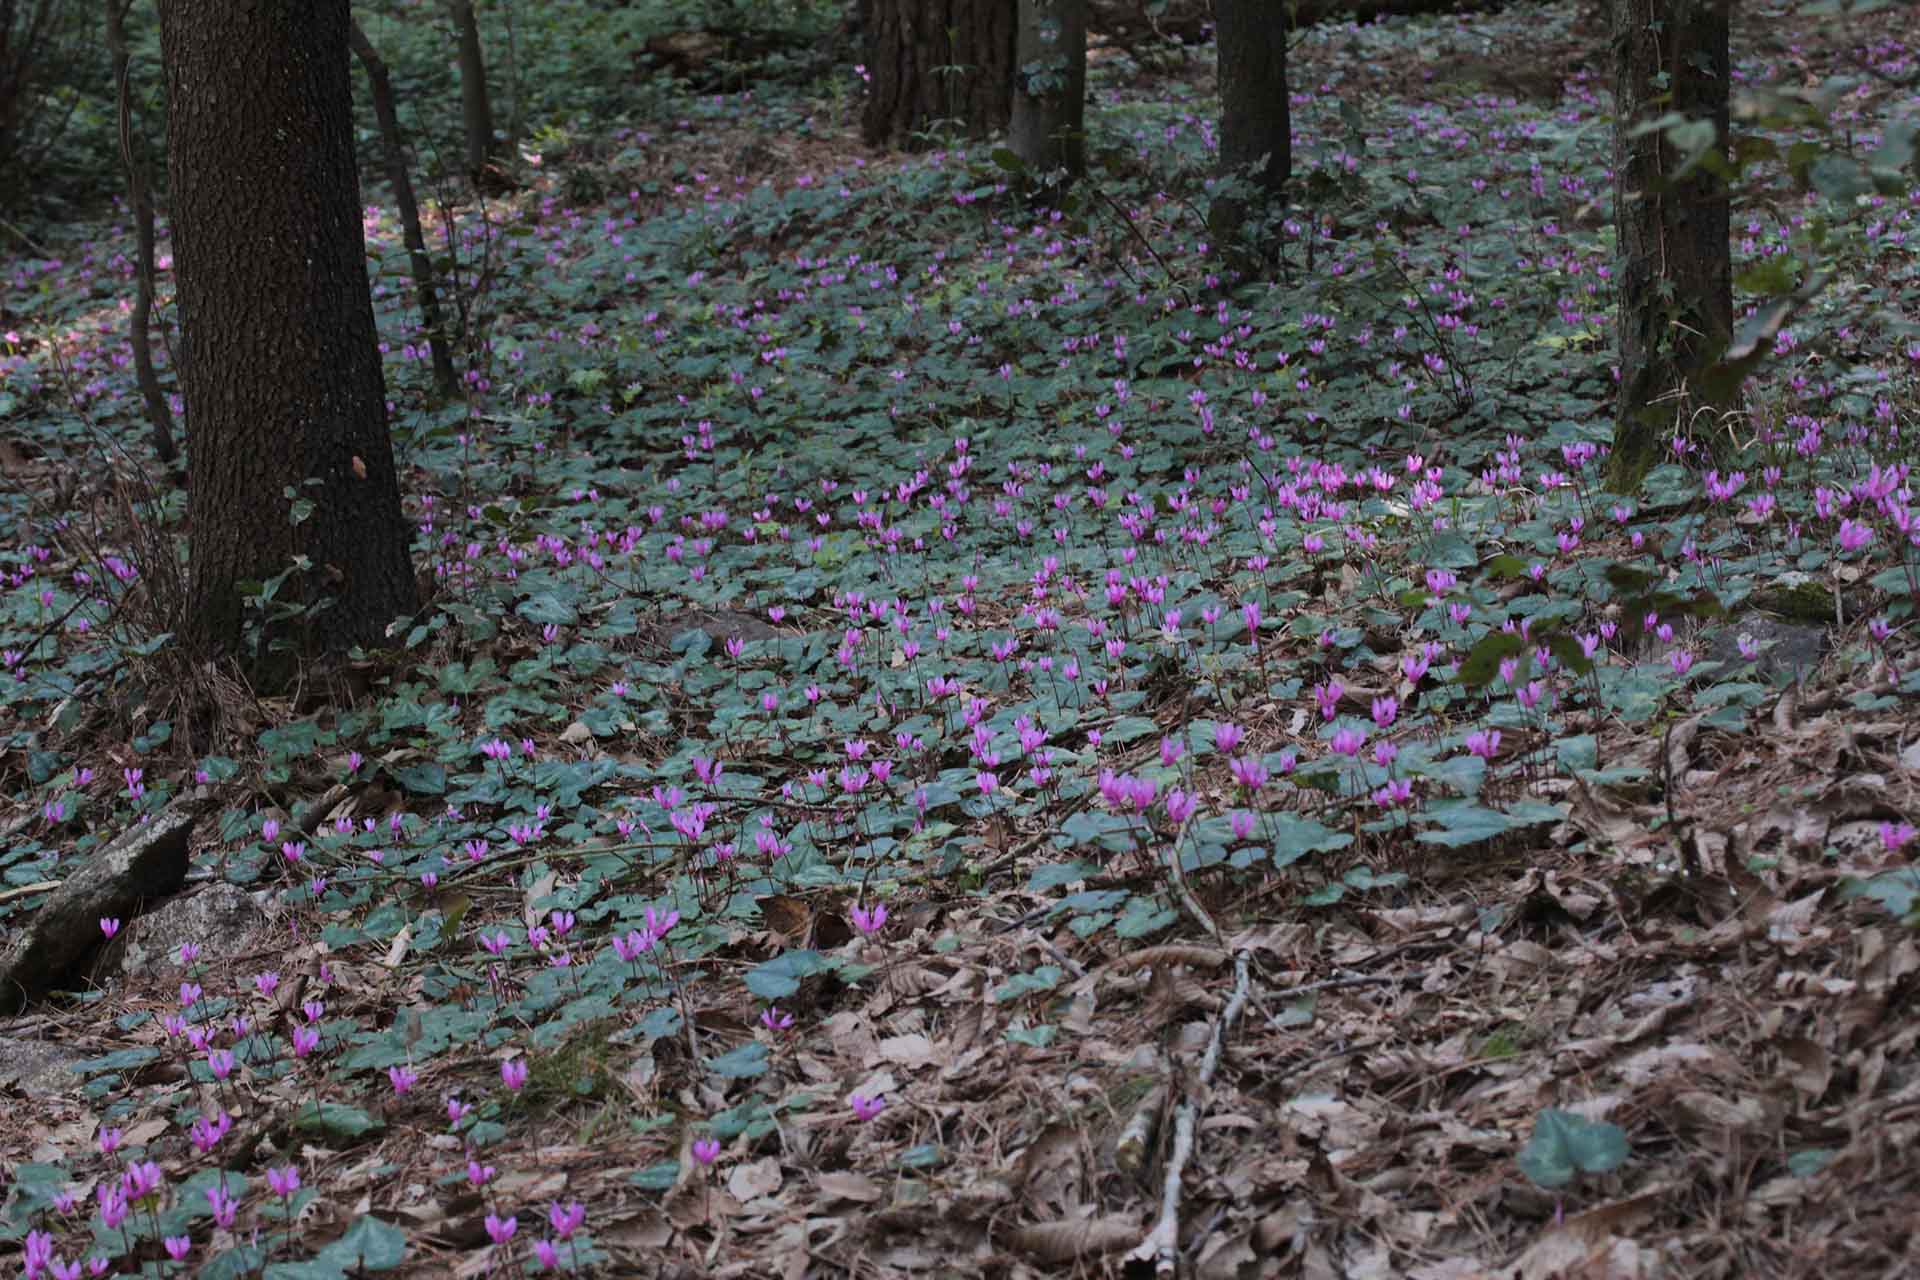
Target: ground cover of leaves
x=950 y=741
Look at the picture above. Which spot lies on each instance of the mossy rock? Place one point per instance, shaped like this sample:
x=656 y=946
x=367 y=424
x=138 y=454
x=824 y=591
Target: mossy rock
x=1808 y=602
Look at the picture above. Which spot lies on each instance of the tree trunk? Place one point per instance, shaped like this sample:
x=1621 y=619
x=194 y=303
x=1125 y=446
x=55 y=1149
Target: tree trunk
x=476 y=110
x=1048 y=130
x=1256 y=124
x=290 y=460
x=140 y=200
x=934 y=67
x=394 y=145
x=1675 y=276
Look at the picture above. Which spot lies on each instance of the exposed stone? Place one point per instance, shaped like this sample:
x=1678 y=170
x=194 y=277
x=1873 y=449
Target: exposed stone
x=210 y=919
x=37 y=1069
x=143 y=864
x=1787 y=651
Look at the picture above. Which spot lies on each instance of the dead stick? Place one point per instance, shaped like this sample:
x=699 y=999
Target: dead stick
x=1161 y=1247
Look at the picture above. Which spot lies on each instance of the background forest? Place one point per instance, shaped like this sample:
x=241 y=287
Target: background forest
x=964 y=637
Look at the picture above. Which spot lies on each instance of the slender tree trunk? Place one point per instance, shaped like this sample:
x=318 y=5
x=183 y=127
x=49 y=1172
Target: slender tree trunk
x=140 y=328
x=1675 y=276
x=1048 y=130
x=394 y=146
x=476 y=109
x=936 y=65
x=290 y=461
x=1256 y=124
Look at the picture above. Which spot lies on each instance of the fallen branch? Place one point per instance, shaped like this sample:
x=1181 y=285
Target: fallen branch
x=1161 y=1247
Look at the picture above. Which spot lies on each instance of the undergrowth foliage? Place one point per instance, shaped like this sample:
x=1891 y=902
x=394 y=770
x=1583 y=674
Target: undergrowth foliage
x=823 y=540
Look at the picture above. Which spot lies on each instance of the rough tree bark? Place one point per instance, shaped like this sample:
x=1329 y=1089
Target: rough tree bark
x=1048 y=128
x=286 y=407
x=394 y=146
x=1256 y=125
x=946 y=63
x=1676 y=277
x=476 y=109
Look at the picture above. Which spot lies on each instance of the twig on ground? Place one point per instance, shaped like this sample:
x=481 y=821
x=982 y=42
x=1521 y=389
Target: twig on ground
x=1161 y=1247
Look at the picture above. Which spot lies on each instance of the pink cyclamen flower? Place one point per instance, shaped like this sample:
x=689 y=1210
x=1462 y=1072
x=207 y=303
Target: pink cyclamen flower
x=868 y=922
x=865 y=1108
x=513 y=1073
x=566 y=1220
x=284 y=1182
x=499 y=1229
x=705 y=1150
x=109 y=925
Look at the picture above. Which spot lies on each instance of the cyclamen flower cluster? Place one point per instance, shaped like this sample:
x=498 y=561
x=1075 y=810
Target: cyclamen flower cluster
x=637 y=942
x=1123 y=791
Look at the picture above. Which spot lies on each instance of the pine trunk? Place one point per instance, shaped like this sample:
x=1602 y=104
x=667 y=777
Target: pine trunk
x=476 y=108
x=1675 y=277
x=286 y=406
x=1048 y=129
x=1256 y=124
x=936 y=67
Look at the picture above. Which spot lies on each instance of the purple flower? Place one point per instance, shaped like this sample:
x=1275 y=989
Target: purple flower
x=499 y=1229
x=513 y=1073
x=284 y=1182
x=865 y=1108
x=565 y=1221
x=705 y=1150
x=868 y=922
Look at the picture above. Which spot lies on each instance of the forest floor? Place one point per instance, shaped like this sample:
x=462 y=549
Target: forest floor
x=952 y=740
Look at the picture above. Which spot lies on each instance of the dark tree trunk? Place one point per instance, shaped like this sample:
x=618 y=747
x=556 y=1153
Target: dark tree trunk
x=1256 y=124
x=934 y=66
x=476 y=109
x=140 y=200
x=286 y=406
x=394 y=145
x=1048 y=128
x=1675 y=276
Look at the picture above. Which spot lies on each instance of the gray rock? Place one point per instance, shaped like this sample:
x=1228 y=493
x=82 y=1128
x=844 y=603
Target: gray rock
x=37 y=1069
x=143 y=864
x=210 y=919
x=1787 y=651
